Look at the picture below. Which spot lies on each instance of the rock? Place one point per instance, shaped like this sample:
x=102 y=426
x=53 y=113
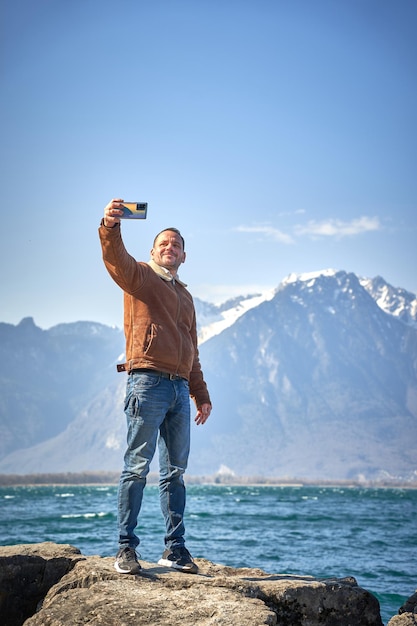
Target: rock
x=407 y=613
x=88 y=590
x=27 y=572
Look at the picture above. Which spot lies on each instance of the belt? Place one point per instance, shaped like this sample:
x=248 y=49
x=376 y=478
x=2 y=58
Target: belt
x=144 y=370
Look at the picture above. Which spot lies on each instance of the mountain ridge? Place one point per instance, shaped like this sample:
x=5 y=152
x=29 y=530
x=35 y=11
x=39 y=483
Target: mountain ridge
x=316 y=379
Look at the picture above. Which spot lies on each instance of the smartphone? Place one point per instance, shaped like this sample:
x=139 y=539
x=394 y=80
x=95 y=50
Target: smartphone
x=134 y=210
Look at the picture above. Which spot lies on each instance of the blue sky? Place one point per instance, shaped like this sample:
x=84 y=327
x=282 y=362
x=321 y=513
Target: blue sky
x=278 y=135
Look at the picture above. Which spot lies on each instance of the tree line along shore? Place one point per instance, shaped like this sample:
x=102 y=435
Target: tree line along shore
x=112 y=478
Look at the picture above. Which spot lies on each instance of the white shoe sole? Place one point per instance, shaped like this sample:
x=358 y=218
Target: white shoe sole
x=126 y=571
x=167 y=563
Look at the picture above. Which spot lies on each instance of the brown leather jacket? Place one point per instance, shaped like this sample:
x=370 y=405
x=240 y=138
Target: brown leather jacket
x=159 y=316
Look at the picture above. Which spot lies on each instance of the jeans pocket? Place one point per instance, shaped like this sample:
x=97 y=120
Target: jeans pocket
x=132 y=405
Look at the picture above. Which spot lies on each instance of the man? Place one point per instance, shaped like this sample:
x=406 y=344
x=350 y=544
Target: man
x=163 y=371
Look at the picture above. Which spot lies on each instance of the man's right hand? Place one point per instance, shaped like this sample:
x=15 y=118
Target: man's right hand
x=112 y=212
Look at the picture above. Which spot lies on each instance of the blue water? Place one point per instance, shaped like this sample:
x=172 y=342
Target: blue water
x=370 y=534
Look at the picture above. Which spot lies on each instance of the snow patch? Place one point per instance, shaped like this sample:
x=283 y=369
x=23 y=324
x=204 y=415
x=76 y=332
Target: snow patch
x=112 y=442
x=229 y=317
x=308 y=276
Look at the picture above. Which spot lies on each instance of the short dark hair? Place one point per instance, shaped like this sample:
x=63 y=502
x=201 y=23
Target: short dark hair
x=174 y=230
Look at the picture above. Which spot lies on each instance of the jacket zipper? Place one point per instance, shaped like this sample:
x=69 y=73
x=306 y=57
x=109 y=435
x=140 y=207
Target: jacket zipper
x=179 y=333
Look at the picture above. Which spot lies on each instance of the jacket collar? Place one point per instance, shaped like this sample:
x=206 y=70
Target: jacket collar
x=165 y=274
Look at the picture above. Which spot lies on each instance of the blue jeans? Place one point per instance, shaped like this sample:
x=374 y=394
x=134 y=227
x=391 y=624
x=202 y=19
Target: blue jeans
x=155 y=406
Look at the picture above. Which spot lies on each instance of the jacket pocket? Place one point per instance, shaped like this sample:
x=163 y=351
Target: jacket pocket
x=150 y=339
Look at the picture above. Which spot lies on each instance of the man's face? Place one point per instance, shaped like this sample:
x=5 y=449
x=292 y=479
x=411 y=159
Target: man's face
x=168 y=251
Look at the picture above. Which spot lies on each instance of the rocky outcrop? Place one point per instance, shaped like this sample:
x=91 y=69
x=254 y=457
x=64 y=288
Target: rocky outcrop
x=54 y=585
x=27 y=573
x=407 y=614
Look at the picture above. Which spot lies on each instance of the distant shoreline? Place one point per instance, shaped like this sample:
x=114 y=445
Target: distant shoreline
x=112 y=478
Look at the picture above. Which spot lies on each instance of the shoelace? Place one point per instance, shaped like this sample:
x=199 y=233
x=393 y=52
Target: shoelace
x=182 y=552
x=130 y=554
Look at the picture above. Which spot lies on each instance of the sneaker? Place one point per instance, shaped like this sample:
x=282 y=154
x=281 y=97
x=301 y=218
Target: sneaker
x=127 y=561
x=179 y=558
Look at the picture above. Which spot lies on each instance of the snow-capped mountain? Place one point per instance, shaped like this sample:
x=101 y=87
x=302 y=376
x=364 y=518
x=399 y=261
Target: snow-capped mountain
x=316 y=379
x=213 y=319
x=395 y=301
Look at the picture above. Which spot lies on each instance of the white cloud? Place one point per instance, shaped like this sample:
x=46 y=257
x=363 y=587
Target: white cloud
x=339 y=228
x=290 y=213
x=326 y=228
x=268 y=231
